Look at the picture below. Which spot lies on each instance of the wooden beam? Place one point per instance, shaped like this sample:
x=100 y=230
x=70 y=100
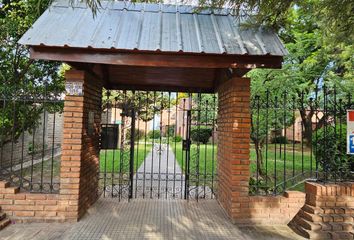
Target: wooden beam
x=105 y=75
x=161 y=88
x=154 y=59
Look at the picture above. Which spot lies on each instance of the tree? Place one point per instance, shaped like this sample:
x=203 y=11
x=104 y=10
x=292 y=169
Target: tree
x=269 y=113
x=204 y=109
x=310 y=64
x=145 y=105
x=21 y=77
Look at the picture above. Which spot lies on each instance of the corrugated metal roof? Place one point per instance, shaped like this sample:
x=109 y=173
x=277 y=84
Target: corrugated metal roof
x=149 y=27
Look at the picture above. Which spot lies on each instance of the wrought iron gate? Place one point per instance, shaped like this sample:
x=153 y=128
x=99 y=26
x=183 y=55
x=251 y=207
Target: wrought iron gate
x=166 y=145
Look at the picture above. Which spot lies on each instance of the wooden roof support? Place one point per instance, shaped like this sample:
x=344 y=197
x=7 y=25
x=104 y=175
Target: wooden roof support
x=154 y=59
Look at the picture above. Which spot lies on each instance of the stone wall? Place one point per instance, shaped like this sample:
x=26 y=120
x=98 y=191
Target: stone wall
x=22 y=149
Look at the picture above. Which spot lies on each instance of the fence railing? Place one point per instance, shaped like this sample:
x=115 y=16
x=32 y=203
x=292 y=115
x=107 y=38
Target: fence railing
x=297 y=137
x=30 y=141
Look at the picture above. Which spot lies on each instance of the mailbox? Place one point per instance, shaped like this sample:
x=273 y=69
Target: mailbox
x=109 y=136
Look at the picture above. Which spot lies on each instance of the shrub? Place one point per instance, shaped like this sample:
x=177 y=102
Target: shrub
x=330 y=150
x=279 y=139
x=154 y=134
x=171 y=131
x=201 y=134
x=138 y=134
x=177 y=139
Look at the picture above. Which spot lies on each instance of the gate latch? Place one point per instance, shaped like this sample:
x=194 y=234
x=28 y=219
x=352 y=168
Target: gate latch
x=186 y=144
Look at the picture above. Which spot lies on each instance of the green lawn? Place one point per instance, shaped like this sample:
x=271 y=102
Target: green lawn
x=113 y=159
x=207 y=163
x=293 y=162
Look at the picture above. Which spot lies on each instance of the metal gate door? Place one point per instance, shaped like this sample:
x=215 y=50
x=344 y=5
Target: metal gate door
x=158 y=145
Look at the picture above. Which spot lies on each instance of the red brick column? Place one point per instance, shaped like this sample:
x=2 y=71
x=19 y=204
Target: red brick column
x=234 y=144
x=80 y=155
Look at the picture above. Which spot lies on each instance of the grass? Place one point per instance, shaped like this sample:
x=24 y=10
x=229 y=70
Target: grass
x=206 y=157
x=116 y=160
x=296 y=162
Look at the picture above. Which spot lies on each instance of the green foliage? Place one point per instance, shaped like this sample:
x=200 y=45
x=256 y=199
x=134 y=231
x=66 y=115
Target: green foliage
x=177 y=139
x=279 y=139
x=207 y=104
x=201 y=134
x=146 y=104
x=310 y=63
x=138 y=134
x=330 y=150
x=21 y=77
x=255 y=187
x=171 y=131
x=154 y=134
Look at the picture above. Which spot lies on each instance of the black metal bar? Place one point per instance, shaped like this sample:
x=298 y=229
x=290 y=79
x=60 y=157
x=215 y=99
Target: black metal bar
x=187 y=152
x=137 y=147
x=340 y=123
x=325 y=159
x=294 y=119
x=257 y=150
x=175 y=150
x=302 y=136
x=52 y=163
x=105 y=153
x=285 y=138
x=145 y=145
x=114 y=150
x=267 y=137
x=32 y=158
x=2 y=132
x=316 y=134
x=22 y=146
x=206 y=148
x=121 y=157
x=132 y=143
x=168 y=142
x=43 y=137
x=212 y=149
x=13 y=135
x=184 y=131
x=153 y=145
x=311 y=157
x=335 y=126
x=275 y=144
x=160 y=147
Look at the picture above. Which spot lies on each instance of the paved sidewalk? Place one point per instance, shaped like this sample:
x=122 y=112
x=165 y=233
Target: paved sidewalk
x=149 y=219
x=159 y=175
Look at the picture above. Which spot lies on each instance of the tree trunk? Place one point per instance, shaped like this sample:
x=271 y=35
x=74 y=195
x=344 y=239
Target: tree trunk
x=306 y=120
x=258 y=148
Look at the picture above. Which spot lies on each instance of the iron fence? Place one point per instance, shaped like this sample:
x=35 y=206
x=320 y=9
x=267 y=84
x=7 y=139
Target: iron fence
x=156 y=145
x=297 y=137
x=30 y=141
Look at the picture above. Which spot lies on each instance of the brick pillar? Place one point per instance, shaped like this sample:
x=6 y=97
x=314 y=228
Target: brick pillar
x=234 y=144
x=80 y=146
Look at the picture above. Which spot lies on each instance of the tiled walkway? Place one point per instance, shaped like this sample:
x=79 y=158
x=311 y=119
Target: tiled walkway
x=159 y=175
x=149 y=219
